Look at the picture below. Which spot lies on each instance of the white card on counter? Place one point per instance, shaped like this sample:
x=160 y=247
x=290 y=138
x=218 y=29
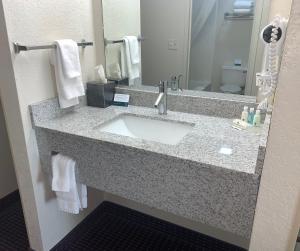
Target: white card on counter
x=124 y=98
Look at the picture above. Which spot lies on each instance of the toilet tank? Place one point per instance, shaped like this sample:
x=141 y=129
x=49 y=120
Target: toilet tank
x=234 y=75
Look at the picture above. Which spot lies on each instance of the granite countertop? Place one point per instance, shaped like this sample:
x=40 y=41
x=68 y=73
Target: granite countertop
x=202 y=144
x=192 y=93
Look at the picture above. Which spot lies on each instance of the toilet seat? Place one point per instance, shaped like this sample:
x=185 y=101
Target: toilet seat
x=234 y=89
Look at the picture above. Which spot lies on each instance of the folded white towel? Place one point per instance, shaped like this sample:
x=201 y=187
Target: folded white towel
x=68 y=51
x=114 y=71
x=133 y=70
x=123 y=63
x=61 y=166
x=134 y=49
x=71 y=197
x=242 y=11
x=68 y=88
x=243 y=4
x=82 y=191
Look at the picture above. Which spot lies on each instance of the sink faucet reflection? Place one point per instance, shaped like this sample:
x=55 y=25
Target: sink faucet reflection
x=175 y=82
x=161 y=101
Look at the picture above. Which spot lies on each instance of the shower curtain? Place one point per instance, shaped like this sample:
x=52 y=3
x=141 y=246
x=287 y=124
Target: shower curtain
x=204 y=23
x=203 y=10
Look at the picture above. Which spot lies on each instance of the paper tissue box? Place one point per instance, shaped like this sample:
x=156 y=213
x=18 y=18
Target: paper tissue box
x=100 y=95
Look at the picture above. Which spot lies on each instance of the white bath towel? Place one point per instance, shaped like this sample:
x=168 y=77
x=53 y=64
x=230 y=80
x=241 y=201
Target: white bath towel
x=243 y=4
x=65 y=59
x=71 y=197
x=133 y=69
x=242 y=11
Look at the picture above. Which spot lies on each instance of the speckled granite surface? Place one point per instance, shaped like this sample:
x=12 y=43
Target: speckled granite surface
x=196 y=102
x=191 y=179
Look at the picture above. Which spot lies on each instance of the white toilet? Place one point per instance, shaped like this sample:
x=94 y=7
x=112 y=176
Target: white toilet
x=199 y=85
x=233 y=79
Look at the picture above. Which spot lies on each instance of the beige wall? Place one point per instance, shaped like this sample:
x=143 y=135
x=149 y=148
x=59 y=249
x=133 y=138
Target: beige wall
x=120 y=18
x=8 y=182
x=281 y=7
x=27 y=78
x=277 y=217
x=162 y=21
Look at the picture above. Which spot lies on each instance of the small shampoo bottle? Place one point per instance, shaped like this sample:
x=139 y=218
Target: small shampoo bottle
x=245 y=114
x=251 y=116
x=257 y=118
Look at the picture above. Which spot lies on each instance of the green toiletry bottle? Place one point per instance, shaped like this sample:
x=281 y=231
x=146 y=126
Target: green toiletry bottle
x=257 y=118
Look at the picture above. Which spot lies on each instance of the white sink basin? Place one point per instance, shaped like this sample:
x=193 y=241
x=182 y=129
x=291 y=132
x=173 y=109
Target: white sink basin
x=166 y=132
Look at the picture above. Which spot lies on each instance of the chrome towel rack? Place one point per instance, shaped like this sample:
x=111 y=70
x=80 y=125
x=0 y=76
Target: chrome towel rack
x=233 y=16
x=107 y=42
x=18 y=48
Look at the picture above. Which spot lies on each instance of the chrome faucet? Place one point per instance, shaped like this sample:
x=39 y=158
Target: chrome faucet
x=175 y=82
x=161 y=101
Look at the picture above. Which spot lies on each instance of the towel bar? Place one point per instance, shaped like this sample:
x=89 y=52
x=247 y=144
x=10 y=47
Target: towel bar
x=18 y=48
x=233 y=16
x=106 y=41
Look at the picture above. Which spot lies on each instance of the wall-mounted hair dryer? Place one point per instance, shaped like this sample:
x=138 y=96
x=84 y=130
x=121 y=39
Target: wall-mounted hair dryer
x=273 y=35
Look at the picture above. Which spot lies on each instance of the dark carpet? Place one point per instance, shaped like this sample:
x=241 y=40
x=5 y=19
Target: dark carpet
x=13 y=235
x=111 y=227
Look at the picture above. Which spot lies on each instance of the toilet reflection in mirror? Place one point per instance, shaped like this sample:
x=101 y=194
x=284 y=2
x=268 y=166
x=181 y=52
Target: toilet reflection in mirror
x=200 y=45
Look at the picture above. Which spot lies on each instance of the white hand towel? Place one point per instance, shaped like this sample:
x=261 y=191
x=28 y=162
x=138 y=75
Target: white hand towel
x=69 y=89
x=134 y=49
x=133 y=70
x=69 y=55
x=61 y=173
x=71 y=197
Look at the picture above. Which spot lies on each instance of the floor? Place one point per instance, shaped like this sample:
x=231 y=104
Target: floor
x=13 y=236
x=112 y=227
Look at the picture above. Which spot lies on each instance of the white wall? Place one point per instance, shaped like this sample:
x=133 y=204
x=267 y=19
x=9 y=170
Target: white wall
x=277 y=217
x=160 y=22
x=8 y=182
x=27 y=78
x=121 y=18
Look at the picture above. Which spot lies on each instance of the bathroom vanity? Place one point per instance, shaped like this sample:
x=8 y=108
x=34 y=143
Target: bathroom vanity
x=191 y=163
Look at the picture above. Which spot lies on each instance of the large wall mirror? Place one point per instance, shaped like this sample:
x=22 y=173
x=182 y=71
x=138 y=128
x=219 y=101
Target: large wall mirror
x=204 y=45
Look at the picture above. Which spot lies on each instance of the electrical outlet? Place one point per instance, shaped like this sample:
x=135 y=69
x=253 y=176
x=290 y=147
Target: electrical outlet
x=172 y=44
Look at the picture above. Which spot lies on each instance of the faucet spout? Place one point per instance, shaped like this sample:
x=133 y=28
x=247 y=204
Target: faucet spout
x=159 y=99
